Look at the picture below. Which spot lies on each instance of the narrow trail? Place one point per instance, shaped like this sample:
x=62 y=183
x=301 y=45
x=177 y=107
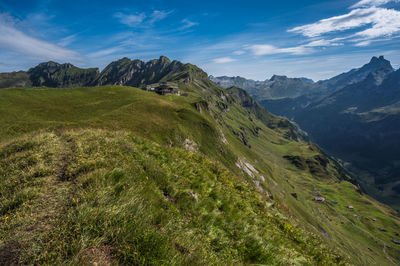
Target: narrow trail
x=52 y=193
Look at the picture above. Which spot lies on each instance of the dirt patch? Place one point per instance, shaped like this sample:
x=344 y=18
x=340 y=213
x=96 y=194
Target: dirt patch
x=67 y=155
x=100 y=256
x=35 y=222
x=181 y=248
x=10 y=253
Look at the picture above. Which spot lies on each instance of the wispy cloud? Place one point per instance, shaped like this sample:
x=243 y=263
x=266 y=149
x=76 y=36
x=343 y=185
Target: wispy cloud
x=130 y=20
x=325 y=43
x=368 y=3
x=142 y=19
x=67 y=40
x=188 y=24
x=267 y=49
x=14 y=40
x=224 y=60
x=104 y=52
x=158 y=15
x=363 y=43
x=355 y=19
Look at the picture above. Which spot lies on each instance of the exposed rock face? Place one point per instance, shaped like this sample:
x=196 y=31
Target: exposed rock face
x=52 y=74
x=138 y=73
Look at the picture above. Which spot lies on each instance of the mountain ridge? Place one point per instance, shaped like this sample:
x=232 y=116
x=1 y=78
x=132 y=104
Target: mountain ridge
x=121 y=72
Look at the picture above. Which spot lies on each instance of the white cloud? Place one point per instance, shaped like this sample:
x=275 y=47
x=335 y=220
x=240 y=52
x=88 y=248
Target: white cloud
x=262 y=49
x=130 y=20
x=223 y=60
x=13 y=39
x=188 y=24
x=368 y=3
x=266 y=49
x=354 y=19
x=385 y=22
x=371 y=23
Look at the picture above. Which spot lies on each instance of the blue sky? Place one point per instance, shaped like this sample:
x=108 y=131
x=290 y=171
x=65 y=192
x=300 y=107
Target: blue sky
x=254 y=39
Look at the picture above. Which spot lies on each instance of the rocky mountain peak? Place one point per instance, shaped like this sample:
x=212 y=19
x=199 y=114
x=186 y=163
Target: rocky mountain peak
x=378 y=76
x=124 y=59
x=307 y=80
x=379 y=62
x=53 y=74
x=48 y=64
x=277 y=78
x=164 y=59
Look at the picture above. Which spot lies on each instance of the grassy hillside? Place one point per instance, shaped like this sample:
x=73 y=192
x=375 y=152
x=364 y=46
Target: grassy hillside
x=95 y=194
x=118 y=175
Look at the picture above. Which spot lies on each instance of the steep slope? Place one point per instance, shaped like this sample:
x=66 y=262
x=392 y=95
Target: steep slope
x=360 y=125
x=243 y=98
x=127 y=176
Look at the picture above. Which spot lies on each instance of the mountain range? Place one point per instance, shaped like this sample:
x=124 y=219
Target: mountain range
x=277 y=87
x=353 y=116
x=122 y=72
x=96 y=171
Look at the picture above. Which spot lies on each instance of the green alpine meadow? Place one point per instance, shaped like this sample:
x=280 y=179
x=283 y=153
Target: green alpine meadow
x=120 y=175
